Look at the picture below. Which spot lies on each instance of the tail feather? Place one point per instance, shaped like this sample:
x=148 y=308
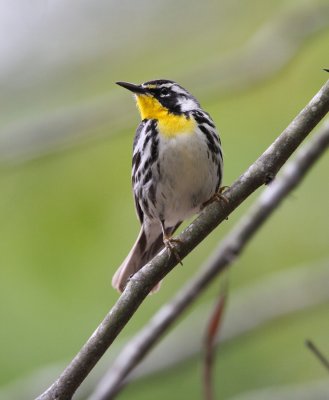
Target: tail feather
x=147 y=245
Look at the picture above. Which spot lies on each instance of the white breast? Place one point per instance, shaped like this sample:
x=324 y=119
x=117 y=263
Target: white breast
x=188 y=176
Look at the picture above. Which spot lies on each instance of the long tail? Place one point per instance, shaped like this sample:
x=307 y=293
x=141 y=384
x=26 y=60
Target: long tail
x=147 y=245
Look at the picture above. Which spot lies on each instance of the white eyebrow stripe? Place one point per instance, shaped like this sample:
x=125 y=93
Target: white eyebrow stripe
x=167 y=85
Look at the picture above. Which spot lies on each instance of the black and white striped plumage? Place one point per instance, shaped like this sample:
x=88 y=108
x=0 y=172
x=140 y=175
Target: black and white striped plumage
x=176 y=168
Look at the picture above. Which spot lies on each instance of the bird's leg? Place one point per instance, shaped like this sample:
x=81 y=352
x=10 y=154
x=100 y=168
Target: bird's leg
x=217 y=196
x=169 y=243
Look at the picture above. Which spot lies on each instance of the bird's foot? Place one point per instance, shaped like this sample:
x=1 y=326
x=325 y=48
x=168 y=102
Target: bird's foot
x=218 y=196
x=169 y=243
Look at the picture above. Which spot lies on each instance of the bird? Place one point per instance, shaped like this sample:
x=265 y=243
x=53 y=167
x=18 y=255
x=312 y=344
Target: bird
x=177 y=168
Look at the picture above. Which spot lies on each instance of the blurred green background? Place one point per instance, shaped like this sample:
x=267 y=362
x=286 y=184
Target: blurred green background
x=67 y=218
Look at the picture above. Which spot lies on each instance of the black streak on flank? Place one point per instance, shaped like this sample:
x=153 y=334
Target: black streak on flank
x=139 y=211
x=146 y=165
x=136 y=160
x=213 y=147
x=147 y=139
x=152 y=194
x=147 y=177
x=202 y=119
x=154 y=150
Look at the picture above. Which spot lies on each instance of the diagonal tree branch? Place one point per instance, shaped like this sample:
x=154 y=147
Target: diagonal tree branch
x=233 y=244
x=261 y=171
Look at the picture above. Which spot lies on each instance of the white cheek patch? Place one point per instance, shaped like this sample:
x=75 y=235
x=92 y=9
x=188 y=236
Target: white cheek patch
x=177 y=89
x=188 y=104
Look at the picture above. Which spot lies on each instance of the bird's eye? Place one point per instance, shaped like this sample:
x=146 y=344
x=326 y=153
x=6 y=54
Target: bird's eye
x=164 y=92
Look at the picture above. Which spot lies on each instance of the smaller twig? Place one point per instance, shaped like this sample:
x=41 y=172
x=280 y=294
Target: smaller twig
x=324 y=360
x=213 y=328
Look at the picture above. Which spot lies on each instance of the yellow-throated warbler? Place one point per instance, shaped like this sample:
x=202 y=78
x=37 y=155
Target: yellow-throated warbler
x=176 y=167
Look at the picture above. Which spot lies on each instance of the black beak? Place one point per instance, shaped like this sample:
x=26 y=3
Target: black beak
x=132 y=87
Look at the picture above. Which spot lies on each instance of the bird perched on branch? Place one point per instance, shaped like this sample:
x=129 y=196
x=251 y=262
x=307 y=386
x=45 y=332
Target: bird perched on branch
x=177 y=168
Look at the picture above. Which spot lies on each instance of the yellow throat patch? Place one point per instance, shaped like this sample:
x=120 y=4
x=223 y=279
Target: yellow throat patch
x=169 y=124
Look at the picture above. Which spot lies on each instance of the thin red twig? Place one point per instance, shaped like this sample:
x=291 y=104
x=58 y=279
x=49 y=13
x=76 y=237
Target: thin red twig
x=212 y=331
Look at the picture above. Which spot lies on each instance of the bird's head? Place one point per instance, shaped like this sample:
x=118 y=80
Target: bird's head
x=160 y=97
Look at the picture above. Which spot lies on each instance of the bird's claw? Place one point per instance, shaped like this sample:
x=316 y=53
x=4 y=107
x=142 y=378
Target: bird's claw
x=169 y=243
x=218 y=196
